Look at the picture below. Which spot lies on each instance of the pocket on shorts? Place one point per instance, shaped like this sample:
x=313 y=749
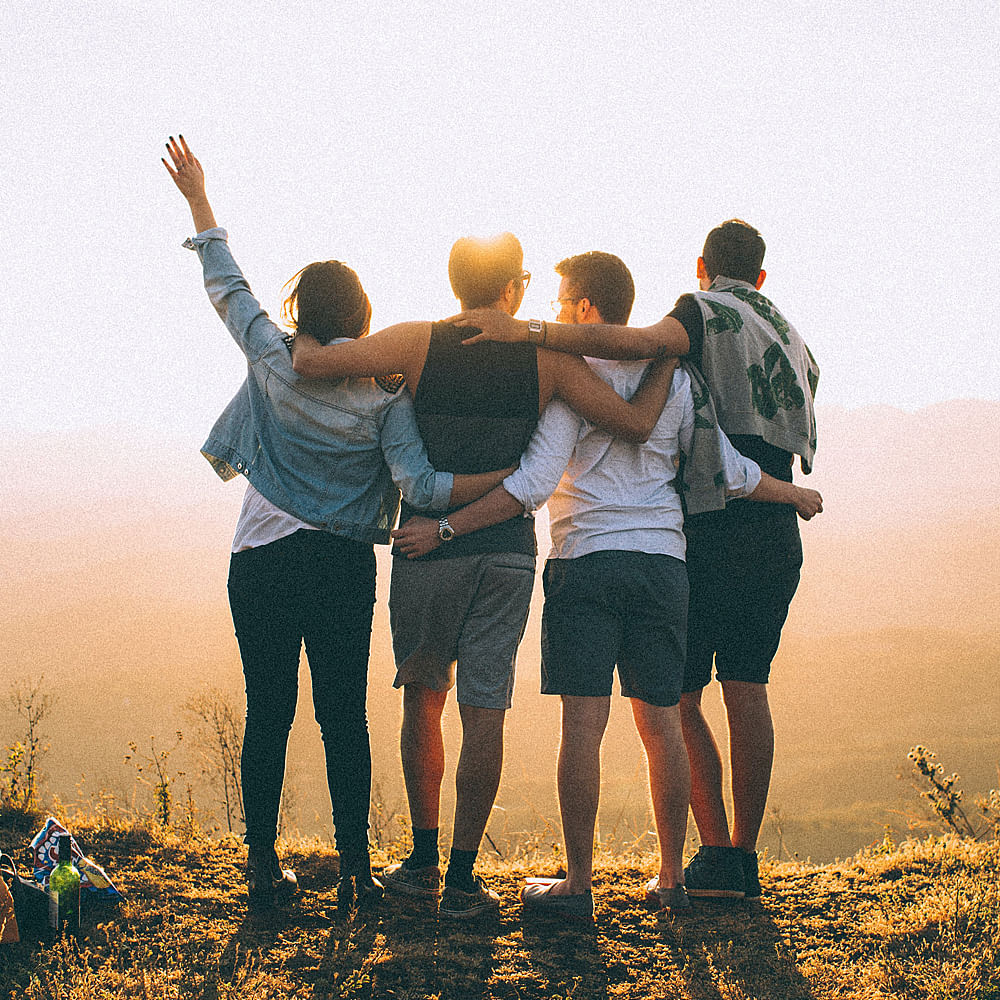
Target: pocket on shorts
x=554 y=578
x=514 y=560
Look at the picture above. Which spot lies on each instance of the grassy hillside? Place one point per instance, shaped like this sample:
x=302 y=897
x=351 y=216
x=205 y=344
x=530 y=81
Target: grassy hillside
x=921 y=920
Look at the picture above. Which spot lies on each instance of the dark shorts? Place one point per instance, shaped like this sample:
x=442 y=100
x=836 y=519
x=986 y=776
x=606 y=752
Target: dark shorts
x=608 y=608
x=743 y=575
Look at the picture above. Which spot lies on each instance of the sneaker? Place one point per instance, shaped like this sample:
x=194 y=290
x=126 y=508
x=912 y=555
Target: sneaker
x=751 y=877
x=669 y=902
x=715 y=873
x=457 y=904
x=267 y=882
x=425 y=882
x=536 y=897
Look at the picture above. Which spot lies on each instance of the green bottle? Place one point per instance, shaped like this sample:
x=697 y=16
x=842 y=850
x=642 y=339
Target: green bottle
x=64 y=891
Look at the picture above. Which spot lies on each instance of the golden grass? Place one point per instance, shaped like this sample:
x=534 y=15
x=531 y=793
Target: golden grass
x=918 y=921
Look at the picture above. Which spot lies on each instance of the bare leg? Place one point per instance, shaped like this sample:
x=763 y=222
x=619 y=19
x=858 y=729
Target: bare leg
x=706 y=773
x=669 y=783
x=751 y=752
x=584 y=720
x=421 y=747
x=478 y=775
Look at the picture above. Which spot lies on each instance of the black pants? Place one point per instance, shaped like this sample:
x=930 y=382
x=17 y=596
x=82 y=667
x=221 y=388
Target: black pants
x=313 y=587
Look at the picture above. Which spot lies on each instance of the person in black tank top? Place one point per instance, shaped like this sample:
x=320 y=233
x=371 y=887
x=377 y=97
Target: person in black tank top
x=476 y=409
x=458 y=616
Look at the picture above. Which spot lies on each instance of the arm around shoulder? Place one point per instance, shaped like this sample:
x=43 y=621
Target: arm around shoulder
x=667 y=338
x=596 y=340
x=395 y=349
x=594 y=400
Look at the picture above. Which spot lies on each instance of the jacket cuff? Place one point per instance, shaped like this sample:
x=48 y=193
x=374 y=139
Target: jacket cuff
x=216 y=233
x=441 y=497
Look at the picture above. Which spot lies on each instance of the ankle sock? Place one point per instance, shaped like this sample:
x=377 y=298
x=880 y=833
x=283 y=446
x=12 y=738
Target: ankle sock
x=460 y=869
x=425 y=849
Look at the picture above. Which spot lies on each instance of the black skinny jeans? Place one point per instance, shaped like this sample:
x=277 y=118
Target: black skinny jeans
x=313 y=587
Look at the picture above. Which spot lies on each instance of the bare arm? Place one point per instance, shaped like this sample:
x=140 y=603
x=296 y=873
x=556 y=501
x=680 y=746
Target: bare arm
x=471 y=486
x=399 y=348
x=420 y=534
x=805 y=501
x=595 y=340
x=593 y=399
x=189 y=177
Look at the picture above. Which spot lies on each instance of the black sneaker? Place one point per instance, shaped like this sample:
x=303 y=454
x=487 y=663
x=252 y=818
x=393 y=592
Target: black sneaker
x=466 y=904
x=715 y=873
x=751 y=877
x=267 y=882
x=424 y=882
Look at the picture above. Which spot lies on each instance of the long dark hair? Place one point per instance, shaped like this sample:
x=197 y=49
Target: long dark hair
x=327 y=302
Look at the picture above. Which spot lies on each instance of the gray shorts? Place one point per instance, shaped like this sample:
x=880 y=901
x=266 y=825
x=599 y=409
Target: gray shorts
x=470 y=613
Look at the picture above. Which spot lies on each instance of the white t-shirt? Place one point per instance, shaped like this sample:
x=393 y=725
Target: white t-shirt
x=260 y=522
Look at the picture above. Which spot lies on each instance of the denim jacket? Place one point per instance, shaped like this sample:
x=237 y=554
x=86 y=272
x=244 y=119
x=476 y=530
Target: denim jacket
x=327 y=451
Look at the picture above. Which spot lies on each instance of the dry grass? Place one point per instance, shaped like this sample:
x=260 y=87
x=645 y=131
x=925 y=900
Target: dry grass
x=918 y=921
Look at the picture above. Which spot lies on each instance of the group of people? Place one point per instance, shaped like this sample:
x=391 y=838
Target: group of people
x=478 y=421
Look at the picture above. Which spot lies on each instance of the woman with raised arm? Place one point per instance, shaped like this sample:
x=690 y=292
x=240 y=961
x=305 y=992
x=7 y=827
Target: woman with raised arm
x=324 y=464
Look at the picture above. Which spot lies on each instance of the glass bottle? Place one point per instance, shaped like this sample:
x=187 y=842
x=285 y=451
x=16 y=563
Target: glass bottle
x=64 y=890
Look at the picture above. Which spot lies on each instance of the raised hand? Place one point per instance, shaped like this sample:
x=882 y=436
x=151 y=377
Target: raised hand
x=188 y=175
x=187 y=172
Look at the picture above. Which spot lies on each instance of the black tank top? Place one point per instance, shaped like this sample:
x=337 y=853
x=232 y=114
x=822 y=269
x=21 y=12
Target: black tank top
x=476 y=408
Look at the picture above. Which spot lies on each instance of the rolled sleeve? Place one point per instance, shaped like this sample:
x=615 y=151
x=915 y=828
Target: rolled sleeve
x=406 y=457
x=742 y=474
x=545 y=459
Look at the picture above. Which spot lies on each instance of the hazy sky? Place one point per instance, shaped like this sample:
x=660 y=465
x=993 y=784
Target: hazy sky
x=862 y=139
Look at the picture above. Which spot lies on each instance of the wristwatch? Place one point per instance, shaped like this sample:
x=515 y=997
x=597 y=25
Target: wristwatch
x=536 y=331
x=445 y=531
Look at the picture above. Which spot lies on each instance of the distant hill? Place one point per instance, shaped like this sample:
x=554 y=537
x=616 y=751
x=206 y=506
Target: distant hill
x=114 y=563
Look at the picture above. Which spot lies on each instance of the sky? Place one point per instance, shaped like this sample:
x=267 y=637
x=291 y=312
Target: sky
x=861 y=139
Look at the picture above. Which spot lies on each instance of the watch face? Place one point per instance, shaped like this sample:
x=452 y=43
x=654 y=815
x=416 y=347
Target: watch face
x=445 y=531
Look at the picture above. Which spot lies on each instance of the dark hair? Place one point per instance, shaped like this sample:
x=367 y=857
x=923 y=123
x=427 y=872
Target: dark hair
x=604 y=279
x=479 y=270
x=327 y=302
x=735 y=250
